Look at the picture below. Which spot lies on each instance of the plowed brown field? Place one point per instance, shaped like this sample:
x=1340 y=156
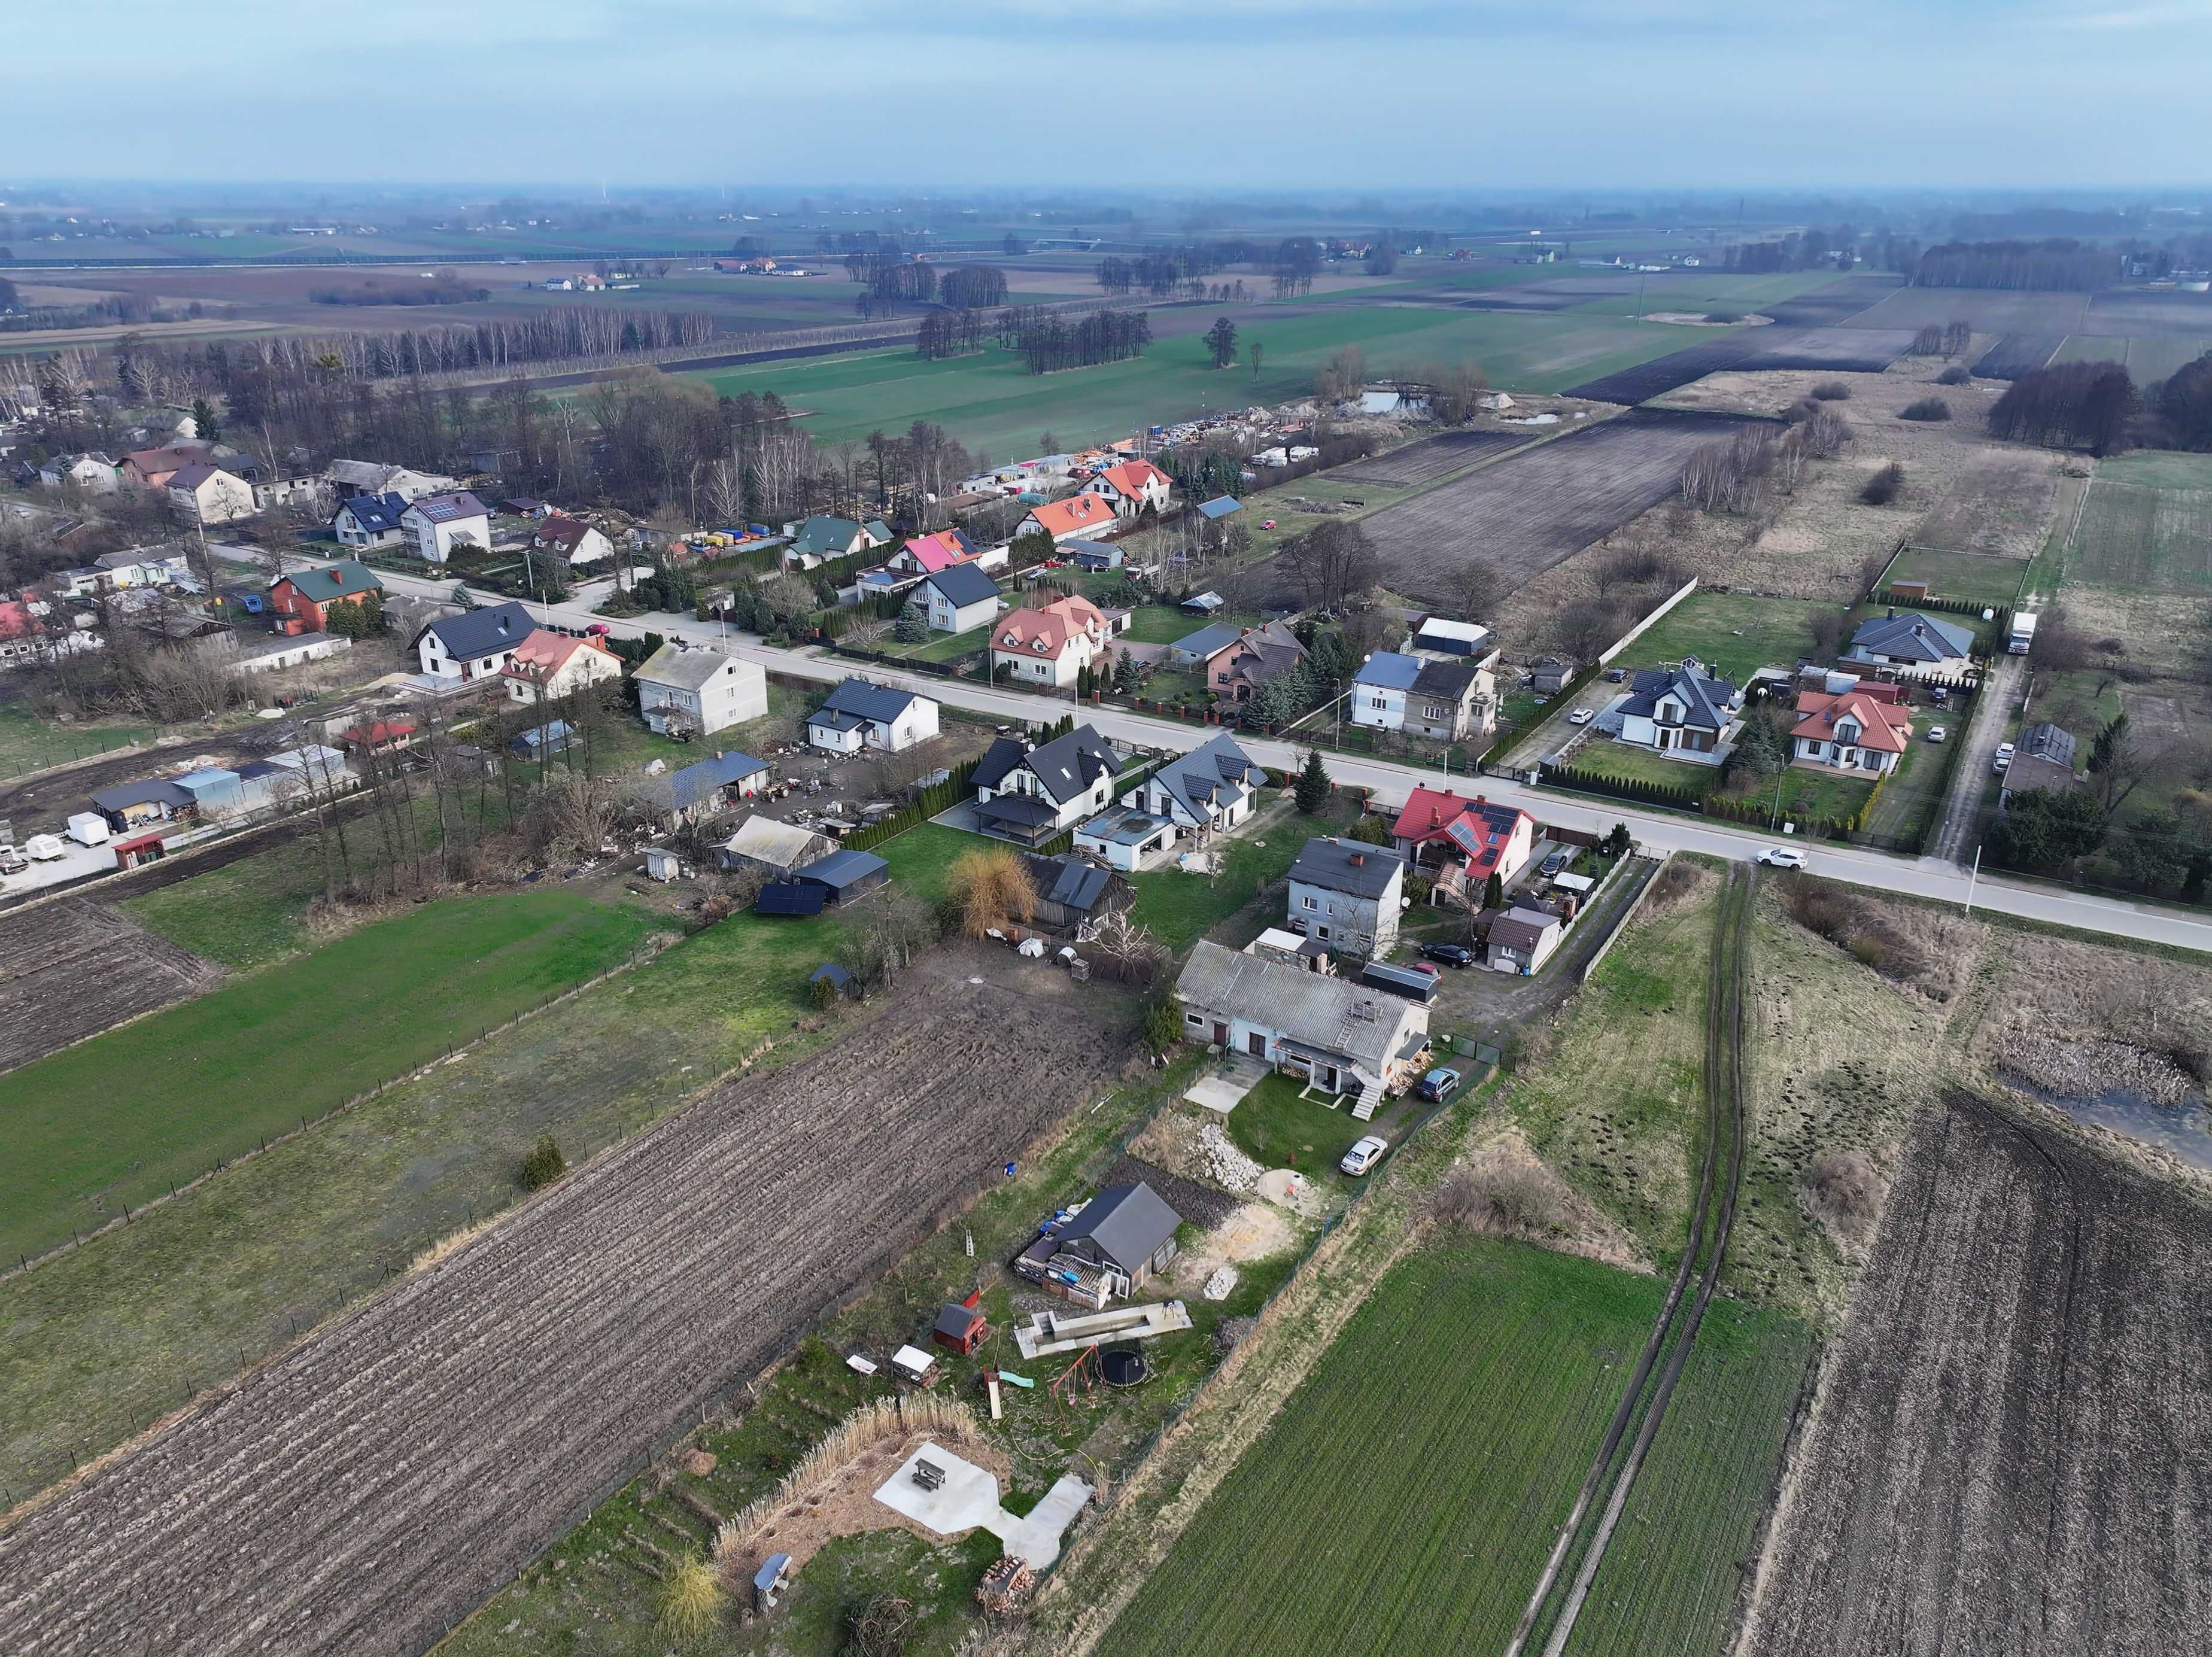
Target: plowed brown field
x=2015 y=1452
x=359 y=1493
x=73 y=967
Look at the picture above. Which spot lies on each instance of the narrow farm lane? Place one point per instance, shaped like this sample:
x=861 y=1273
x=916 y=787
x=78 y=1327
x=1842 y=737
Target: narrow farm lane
x=1953 y=840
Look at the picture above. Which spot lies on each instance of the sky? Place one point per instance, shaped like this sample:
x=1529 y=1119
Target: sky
x=1371 y=95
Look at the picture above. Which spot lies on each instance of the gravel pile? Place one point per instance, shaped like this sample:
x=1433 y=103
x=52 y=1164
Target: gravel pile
x=1218 y=1285
x=2089 y=1070
x=1224 y=1164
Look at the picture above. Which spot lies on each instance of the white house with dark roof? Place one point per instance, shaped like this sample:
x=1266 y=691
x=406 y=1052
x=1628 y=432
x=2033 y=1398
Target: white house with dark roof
x=477 y=644
x=1216 y=786
x=1347 y=894
x=1443 y=698
x=956 y=598
x=1912 y=643
x=435 y=524
x=1031 y=794
x=371 y=520
x=1683 y=712
x=695 y=691
x=858 y=715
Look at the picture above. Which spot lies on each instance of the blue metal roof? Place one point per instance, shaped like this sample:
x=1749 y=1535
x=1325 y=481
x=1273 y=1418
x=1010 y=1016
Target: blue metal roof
x=1220 y=506
x=1388 y=670
x=841 y=870
x=695 y=782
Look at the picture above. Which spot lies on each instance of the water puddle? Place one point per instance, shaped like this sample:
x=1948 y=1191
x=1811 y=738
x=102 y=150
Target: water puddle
x=2184 y=1131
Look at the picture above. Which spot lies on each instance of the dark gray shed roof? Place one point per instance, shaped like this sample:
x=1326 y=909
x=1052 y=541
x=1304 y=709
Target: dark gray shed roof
x=1124 y=1224
x=1350 y=866
x=842 y=871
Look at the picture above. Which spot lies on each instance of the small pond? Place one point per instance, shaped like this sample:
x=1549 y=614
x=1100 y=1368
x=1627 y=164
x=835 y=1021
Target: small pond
x=2184 y=1131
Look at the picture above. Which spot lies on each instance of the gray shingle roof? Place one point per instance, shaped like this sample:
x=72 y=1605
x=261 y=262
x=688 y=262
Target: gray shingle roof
x=1350 y=866
x=686 y=669
x=1067 y=766
x=1330 y=1015
x=1217 y=770
x=1912 y=637
x=484 y=632
x=1705 y=699
x=1449 y=681
x=858 y=700
x=1205 y=640
x=962 y=585
x=1123 y=1226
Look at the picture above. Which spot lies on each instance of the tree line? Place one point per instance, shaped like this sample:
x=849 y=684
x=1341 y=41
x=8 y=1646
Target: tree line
x=2076 y=405
x=1048 y=342
x=2058 y=265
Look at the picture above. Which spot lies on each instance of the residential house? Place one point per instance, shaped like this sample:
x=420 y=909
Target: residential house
x=1379 y=690
x=926 y=555
x=371 y=520
x=1522 y=939
x=1131 y=487
x=303 y=599
x=1076 y=517
x=475 y=644
x=775 y=848
x=819 y=539
x=1862 y=729
x=701 y=789
x=546 y=666
x=1464 y=841
x=857 y=715
x=575 y=540
x=1073 y=894
x=955 y=600
x=1444 y=699
x=375 y=737
x=1912 y=644
x=2042 y=761
x=1114 y=1244
x=141 y=567
x=1255 y=657
x=347 y=478
x=436 y=523
x=1031 y=794
x=152 y=469
x=1049 y=646
x=697 y=692
x=1347 y=895
x=1334 y=1034
x=1214 y=786
x=843 y=876
x=1684 y=712
x=91 y=471
x=204 y=494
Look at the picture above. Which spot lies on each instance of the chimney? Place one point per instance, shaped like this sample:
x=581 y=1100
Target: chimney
x=1360 y=859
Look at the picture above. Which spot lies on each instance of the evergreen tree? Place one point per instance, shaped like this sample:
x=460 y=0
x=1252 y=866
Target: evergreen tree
x=204 y=420
x=1313 y=787
x=1494 y=892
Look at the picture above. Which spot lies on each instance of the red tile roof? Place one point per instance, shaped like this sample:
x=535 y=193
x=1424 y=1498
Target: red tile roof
x=1132 y=478
x=1045 y=633
x=1882 y=726
x=543 y=654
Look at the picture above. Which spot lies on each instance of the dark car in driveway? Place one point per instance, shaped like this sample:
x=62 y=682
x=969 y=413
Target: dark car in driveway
x=1452 y=955
x=1437 y=1085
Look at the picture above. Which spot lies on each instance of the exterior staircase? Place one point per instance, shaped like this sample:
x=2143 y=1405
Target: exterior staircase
x=1370 y=1100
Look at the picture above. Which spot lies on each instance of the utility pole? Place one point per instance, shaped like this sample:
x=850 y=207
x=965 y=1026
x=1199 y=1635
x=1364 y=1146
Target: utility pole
x=1973 y=875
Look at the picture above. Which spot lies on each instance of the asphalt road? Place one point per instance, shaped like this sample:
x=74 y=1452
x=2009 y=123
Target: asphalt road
x=1927 y=877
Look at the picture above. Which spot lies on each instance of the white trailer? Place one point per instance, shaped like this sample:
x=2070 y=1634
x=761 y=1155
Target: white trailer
x=89 y=829
x=2023 y=632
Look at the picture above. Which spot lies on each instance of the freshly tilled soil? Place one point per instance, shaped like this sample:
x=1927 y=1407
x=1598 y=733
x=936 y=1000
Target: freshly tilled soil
x=2013 y=1454
x=73 y=967
x=363 y=1490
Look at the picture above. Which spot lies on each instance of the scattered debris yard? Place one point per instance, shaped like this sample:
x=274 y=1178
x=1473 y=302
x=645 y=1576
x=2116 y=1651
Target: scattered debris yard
x=2010 y=1453
x=550 y=1349
x=73 y=967
x=1530 y=511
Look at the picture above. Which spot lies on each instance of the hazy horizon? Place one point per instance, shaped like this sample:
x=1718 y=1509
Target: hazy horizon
x=1401 y=98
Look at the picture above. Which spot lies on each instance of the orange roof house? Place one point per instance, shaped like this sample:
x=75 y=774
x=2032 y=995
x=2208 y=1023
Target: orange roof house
x=557 y=665
x=1049 y=644
x=1856 y=729
x=1131 y=486
x=1078 y=515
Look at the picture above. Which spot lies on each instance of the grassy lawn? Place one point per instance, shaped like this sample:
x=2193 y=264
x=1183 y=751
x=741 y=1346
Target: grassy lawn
x=28 y=742
x=2158 y=469
x=1179 y=908
x=990 y=401
x=1627 y=762
x=93 y=1128
x=947 y=647
x=1912 y=799
x=1345 y=1530
x=1162 y=624
x=1733 y=633
x=1974 y=578
x=245 y=914
x=93 y=1344
x=1278 y=1129
x=2142 y=538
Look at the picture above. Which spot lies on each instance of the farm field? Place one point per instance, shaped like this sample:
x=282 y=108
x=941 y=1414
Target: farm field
x=1989 y=310
x=2016 y=1404
x=2158 y=469
x=2003 y=502
x=1432 y=457
x=990 y=401
x=2149 y=540
x=28 y=742
x=89 y=1133
x=2017 y=354
x=1529 y=512
x=1974 y=578
x=1342 y=1530
x=73 y=967
x=1834 y=303
x=610 y=1305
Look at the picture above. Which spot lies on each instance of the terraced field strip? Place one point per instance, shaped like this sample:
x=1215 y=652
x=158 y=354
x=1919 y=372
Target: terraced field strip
x=2152 y=540
x=1727 y=970
x=2014 y=355
x=363 y=1490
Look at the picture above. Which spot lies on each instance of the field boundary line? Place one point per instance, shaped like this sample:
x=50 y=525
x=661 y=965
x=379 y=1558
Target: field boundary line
x=26 y=1264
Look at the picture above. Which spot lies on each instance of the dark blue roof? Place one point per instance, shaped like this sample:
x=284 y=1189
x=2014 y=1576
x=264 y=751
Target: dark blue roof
x=1220 y=506
x=963 y=585
x=841 y=870
x=377 y=512
x=694 y=783
x=481 y=632
x=878 y=702
x=785 y=898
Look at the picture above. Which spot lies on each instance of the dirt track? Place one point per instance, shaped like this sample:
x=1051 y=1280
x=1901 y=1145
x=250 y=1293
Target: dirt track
x=73 y=967
x=358 y=1494
x=2012 y=1455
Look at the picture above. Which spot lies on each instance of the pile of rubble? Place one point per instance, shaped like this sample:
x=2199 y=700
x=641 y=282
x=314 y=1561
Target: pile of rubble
x=1222 y=1163
x=2090 y=1070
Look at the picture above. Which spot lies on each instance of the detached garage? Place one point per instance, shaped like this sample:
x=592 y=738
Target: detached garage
x=843 y=876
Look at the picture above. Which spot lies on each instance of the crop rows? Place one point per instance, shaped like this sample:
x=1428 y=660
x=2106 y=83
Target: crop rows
x=2152 y=539
x=2012 y=1453
x=1429 y=458
x=2014 y=355
x=73 y=967
x=359 y=1493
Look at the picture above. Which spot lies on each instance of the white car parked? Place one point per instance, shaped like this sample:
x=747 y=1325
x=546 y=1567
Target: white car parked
x=1580 y=716
x=1937 y=733
x=1783 y=857
x=2003 y=758
x=1364 y=1154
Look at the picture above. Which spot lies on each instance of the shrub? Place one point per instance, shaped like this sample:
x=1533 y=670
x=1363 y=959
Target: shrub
x=1845 y=1191
x=991 y=891
x=544 y=1163
x=1927 y=409
x=1885 y=486
x=1724 y=316
x=1832 y=390
x=1957 y=374
x=691 y=1599
x=821 y=992
x=1163 y=1024
x=1503 y=1199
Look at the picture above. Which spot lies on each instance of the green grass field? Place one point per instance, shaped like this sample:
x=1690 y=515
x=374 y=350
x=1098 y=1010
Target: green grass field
x=990 y=401
x=2158 y=469
x=121 y=1118
x=1404 y=1499
x=28 y=742
x=1733 y=633
x=2148 y=357
x=2147 y=539
x=1974 y=577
